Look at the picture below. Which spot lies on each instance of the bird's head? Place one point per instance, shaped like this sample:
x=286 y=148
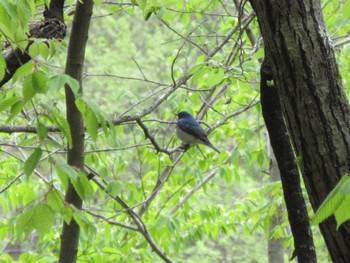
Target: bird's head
x=184 y=114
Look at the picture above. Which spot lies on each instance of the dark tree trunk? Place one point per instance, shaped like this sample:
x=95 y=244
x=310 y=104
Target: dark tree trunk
x=293 y=196
x=52 y=27
x=74 y=68
x=313 y=100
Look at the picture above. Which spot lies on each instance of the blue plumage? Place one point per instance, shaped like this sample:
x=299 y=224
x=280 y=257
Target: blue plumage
x=190 y=132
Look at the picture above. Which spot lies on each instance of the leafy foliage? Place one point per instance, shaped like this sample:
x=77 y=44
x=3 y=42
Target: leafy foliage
x=209 y=207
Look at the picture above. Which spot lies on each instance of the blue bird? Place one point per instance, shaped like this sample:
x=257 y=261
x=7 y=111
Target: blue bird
x=190 y=132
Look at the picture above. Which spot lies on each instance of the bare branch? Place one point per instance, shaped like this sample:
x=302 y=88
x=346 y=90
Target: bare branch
x=192 y=192
x=110 y=221
x=11 y=183
x=140 y=225
x=25 y=129
x=151 y=138
x=163 y=177
x=245 y=20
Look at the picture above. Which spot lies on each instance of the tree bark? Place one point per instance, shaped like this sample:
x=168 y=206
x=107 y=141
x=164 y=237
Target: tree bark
x=313 y=100
x=293 y=196
x=75 y=158
x=52 y=27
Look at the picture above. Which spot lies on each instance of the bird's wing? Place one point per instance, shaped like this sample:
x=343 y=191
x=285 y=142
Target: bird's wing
x=193 y=128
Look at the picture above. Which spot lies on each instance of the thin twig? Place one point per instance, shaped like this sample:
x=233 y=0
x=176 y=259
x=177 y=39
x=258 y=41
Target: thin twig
x=140 y=225
x=151 y=138
x=110 y=221
x=191 y=193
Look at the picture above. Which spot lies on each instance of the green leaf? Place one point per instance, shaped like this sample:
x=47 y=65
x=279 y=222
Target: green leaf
x=43 y=219
x=39 y=80
x=33 y=50
x=28 y=89
x=2 y=67
x=333 y=201
x=59 y=121
x=24 y=223
x=15 y=109
x=66 y=169
x=41 y=131
x=7 y=103
x=114 y=188
x=82 y=186
x=34 y=83
x=63 y=125
x=32 y=162
x=215 y=77
x=40 y=218
x=44 y=50
x=23 y=71
x=56 y=82
x=81 y=219
x=67 y=214
x=342 y=213
x=55 y=199
x=91 y=124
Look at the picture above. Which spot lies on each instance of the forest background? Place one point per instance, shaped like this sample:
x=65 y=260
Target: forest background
x=143 y=64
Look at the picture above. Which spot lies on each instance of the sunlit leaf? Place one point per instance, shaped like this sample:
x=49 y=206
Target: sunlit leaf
x=32 y=162
x=333 y=202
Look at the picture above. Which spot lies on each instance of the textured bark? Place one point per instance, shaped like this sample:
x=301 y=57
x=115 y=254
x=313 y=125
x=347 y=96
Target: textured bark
x=293 y=196
x=75 y=158
x=313 y=100
x=52 y=27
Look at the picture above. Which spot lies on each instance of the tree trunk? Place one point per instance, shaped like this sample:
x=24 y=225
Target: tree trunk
x=293 y=196
x=313 y=100
x=275 y=246
x=75 y=158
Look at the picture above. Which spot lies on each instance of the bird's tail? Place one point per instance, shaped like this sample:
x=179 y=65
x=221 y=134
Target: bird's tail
x=212 y=146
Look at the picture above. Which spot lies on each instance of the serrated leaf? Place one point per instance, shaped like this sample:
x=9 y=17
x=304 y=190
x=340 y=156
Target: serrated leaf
x=59 y=121
x=39 y=80
x=43 y=219
x=55 y=199
x=332 y=202
x=83 y=222
x=32 y=162
x=342 y=213
x=63 y=125
x=81 y=105
x=73 y=84
x=28 y=89
x=15 y=109
x=82 y=186
x=57 y=82
x=23 y=71
x=21 y=39
x=24 y=223
x=91 y=124
x=66 y=169
x=7 y=103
